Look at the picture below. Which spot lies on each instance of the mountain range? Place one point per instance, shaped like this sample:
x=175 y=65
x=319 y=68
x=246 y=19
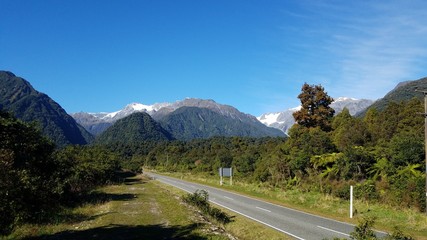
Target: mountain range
x=284 y=120
x=186 y=119
x=165 y=113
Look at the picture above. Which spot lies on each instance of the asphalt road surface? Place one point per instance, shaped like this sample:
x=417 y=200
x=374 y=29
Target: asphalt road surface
x=294 y=223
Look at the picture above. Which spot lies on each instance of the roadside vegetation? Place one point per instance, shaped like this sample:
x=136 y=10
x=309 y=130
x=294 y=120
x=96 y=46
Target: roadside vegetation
x=200 y=199
x=37 y=180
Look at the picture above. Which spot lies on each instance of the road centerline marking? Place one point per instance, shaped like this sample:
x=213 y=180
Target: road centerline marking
x=229 y=198
x=331 y=230
x=263 y=209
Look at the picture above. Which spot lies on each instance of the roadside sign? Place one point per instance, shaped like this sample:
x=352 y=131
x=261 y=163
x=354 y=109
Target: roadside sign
x=226 y=172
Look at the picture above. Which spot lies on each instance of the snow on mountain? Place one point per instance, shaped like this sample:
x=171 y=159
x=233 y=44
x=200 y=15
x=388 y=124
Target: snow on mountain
x=129 y=109
x=98 y=122
x=284 y=120
x=270 y=118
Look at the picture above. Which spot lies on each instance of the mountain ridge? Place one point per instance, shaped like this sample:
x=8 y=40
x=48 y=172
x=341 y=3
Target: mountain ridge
x=187 y=123
x=403 y=91
x=98 y=122
x=20 y=98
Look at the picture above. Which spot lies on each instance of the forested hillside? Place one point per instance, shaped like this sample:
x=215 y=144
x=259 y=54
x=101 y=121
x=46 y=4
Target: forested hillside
x=135 y=128
x=188 y=123
x=19 y=97
x=402 y=92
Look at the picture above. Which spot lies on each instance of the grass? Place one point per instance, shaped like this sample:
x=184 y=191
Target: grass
x=136 y=209
x=387 y=218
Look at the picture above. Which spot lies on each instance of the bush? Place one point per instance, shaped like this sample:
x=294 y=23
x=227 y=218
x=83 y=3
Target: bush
x=341 y=190
x=200 y=199
x=363 y=230
x=366 y=190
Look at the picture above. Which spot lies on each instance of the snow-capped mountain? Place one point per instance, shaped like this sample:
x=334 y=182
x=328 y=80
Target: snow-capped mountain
x=96 y=123
x=132 y=108
x=284 y=120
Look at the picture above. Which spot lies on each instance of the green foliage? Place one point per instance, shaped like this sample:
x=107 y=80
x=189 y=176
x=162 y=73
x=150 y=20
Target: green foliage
x=349 y=131
x=399 y=235
x=35 y=181
x=28 y=187
x=200 y=199
x=303 y=143
x=363 y=230
x=85 y=168
x=396 y=118
x=406 y=148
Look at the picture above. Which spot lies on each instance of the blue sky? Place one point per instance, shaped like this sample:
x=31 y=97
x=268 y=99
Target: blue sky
x=100 y=55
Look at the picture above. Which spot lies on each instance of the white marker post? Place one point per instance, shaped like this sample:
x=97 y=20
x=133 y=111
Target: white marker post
x=220 y=176
x=351 y=201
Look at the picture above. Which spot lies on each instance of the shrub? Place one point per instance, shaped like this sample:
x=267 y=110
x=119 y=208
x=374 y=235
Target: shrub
x=363 y=230
x=200 y=199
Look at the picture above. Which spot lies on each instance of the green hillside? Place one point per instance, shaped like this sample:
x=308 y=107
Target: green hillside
x=188 y=123
x=21 y=99
x=136 y=127
x=403 y=92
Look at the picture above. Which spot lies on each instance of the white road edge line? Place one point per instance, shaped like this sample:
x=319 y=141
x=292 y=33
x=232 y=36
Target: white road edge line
x=334 y=231
x=278 y=229
x=260 y=208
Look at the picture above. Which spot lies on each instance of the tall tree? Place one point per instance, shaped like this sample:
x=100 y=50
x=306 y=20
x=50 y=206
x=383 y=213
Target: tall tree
x=315 y=108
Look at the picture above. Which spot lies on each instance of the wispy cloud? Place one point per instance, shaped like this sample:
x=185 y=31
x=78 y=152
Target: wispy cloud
x=368 y=47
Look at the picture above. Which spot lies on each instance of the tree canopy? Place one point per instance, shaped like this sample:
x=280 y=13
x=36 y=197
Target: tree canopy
x=315 y=107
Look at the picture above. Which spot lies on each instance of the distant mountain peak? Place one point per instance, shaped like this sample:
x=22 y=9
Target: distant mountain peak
x=284 y=120
x=344 y=99
x=223 y=116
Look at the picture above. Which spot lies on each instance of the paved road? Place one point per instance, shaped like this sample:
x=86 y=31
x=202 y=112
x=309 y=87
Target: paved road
x=294 y=223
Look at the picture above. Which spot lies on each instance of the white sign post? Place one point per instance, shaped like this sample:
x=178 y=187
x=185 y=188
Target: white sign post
x=351 y=201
